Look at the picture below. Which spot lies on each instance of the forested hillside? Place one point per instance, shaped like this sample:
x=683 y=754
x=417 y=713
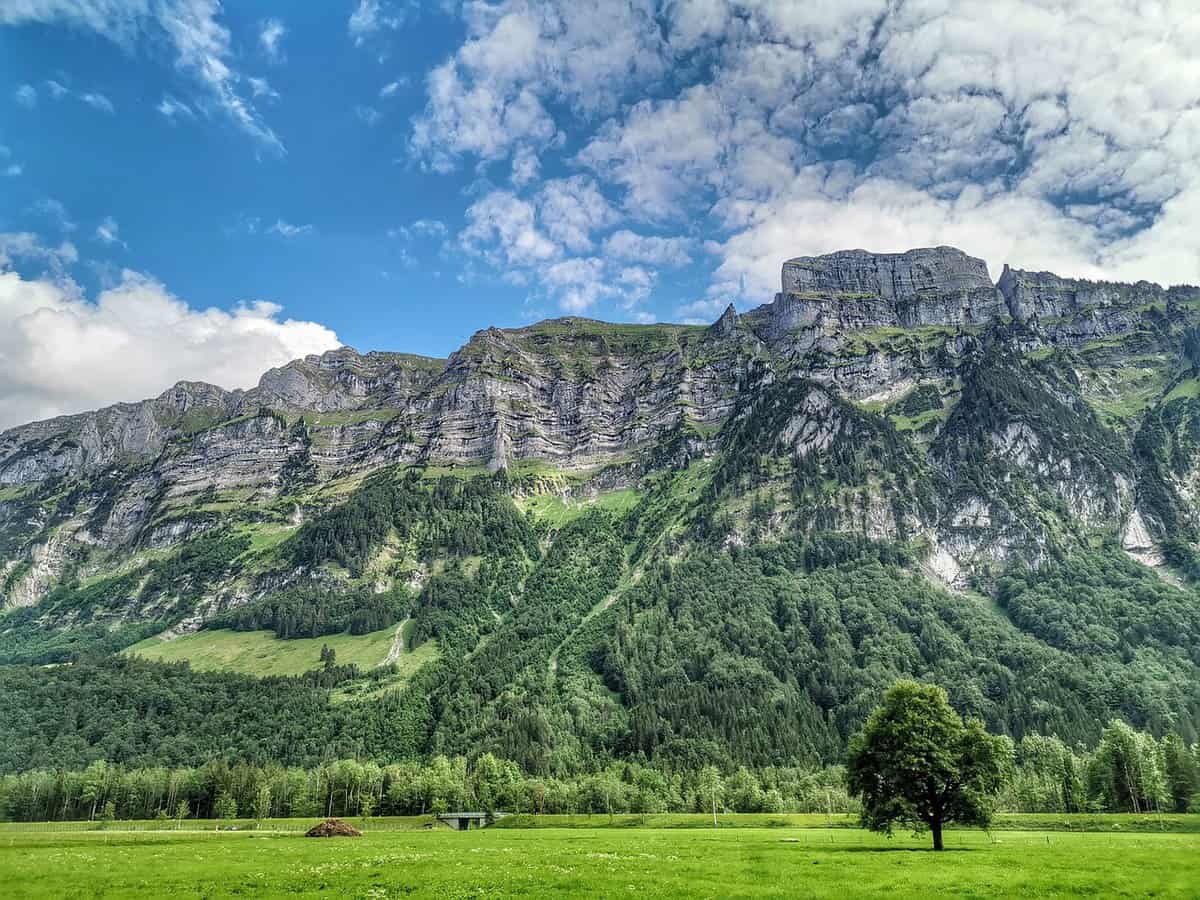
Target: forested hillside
x=584 y=544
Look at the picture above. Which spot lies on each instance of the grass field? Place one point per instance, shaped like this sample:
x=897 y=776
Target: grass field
x=559 y=512
x=599 y=862
x=262 y=653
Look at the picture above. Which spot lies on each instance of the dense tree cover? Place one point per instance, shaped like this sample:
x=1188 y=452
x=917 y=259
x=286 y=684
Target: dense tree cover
x=766 y=656
x=346 y=787
x=458 y=517
x=140 y=713
x=1138 y=634
x=778 y=652
x=505 y=693
x=316 y=608
x=1047 y=777
x=917 y=763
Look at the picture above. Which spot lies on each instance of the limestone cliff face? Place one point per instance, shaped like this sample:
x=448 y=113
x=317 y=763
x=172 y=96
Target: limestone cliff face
x=954 y=365
x=857 y=289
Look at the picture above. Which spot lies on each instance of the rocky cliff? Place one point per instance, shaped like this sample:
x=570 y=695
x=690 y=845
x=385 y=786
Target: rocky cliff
x=987 y=420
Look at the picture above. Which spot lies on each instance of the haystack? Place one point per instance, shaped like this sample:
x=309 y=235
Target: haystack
x=333 y=828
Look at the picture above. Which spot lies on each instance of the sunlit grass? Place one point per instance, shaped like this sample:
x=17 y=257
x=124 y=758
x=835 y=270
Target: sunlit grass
x=600 y=862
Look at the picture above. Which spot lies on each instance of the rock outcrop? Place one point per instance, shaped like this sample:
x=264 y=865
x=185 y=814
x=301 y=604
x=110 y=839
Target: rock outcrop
x=857 y=289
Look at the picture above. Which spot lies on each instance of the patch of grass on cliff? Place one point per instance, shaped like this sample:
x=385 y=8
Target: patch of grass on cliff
x=261 y=653
x=553 y=509
x=1188 y=389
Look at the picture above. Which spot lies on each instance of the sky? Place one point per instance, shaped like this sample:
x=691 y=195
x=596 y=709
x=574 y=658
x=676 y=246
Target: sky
x=197 y=190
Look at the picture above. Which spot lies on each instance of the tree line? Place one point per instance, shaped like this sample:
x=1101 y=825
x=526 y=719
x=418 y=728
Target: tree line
x=1128 y=771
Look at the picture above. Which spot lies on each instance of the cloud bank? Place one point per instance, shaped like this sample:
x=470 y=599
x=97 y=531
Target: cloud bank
x=61 y=352
x=1046 y=133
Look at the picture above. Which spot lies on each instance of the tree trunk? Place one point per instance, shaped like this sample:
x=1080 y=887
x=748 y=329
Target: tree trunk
x=936 y=828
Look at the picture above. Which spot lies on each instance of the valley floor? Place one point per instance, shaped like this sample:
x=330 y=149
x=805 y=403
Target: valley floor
x=597 y=862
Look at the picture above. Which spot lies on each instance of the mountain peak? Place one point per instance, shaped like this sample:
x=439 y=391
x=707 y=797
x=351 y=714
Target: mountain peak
x=894 y=276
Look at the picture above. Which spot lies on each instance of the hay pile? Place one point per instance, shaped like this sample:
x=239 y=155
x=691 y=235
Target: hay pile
x=333 y=828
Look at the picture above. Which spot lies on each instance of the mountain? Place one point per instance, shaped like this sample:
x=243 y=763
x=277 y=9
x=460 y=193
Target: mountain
x=687 y=542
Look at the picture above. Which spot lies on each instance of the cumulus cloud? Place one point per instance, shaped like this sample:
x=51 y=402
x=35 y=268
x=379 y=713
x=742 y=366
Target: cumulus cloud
x=201 y=45
x=1044 y=133
x=663 y=251
x=57 y=347
x=503 y=228
x=490 y=97
x=546 y=241
x=572 y=208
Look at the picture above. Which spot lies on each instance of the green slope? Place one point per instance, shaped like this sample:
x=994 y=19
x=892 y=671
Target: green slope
x=261 y=653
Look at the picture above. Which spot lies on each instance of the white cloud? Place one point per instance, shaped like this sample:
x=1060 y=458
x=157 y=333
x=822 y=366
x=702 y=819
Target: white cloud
x=285 y=229
x=57 y=91
x=26 y=245
x=502 y=227
x=98 y=101
x=662 y=251
x=490 y=97
x=270 y=35
x=175 y=109
x=109 y=232
x=578 y=283
x=26 y=95
x=421 y=229
x=701 y=312
x=260 y=87
x=525 y=166
x=571 y=208
x=430 y=228
x=201 y=45
x=1002 y=121
x=373 y=16
x=57 y=347
x=12 y=170
x=392 y=87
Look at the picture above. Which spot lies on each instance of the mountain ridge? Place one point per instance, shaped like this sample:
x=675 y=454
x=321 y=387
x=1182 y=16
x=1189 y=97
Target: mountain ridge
x=709 y=542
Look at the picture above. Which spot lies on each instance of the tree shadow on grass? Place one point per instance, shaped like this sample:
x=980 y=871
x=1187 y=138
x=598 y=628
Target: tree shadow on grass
x=836 y=849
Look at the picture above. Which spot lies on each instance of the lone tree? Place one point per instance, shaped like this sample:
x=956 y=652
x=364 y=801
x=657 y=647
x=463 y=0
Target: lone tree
x=917 y=763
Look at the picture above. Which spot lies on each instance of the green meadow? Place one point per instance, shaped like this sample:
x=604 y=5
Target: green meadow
x=261 y=653
x=739 y=861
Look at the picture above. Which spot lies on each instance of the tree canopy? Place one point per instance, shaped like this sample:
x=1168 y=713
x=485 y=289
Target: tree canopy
x=917 y=763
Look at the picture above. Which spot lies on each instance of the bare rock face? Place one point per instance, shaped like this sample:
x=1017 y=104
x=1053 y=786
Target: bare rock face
x=1044 y=295
x=580 y=395
x=930 y=286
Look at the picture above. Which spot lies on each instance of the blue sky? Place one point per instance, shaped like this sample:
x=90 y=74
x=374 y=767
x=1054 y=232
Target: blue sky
x=203 y=190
